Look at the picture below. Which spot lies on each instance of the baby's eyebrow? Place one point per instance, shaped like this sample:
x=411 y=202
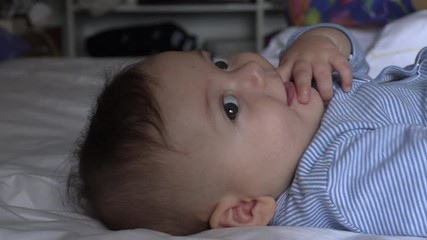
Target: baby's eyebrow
x=208 y=107
x=207 y=103
x=204 y=54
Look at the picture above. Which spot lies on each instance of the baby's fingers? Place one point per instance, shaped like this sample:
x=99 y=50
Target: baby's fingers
x=342 y=66
x=322 y=72
x=285 y=70
x=303 y=75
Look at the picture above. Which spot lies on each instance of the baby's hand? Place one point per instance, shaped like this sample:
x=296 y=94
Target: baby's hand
x=315 y=54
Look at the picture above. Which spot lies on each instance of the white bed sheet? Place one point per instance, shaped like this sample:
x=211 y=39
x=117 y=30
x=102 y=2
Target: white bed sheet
x=43 y=106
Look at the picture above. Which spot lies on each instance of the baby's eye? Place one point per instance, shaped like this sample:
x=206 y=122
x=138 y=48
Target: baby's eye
x=221 y=63
x=231 y=106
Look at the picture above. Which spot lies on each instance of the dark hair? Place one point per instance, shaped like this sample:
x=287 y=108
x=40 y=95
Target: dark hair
x=121 y=165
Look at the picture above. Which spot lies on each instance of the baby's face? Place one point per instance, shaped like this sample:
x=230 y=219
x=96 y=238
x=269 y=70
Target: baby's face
x=238 y=116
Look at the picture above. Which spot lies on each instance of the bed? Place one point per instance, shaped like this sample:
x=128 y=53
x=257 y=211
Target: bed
x=44 y=104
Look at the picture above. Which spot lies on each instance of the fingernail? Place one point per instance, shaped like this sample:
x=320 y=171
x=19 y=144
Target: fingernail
x=303 y=98
x=347 y=88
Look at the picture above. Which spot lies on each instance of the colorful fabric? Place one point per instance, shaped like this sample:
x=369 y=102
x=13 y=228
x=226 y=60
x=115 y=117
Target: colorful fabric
x=347 y=12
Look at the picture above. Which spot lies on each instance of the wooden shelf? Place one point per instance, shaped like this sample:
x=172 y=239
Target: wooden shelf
x=184 y=8
x=194 y=8
x=258 y=9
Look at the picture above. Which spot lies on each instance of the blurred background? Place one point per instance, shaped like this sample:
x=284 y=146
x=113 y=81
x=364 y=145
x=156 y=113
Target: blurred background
x=113 y=28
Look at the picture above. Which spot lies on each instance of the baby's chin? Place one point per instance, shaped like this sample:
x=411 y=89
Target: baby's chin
x=315 y=99
x=315 y=93
x=313 y=110
x=315 y=107
x=320 y=106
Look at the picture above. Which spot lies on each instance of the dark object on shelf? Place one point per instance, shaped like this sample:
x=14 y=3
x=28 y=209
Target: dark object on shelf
x=43 y=42
x=192 y=1
x=140 y=41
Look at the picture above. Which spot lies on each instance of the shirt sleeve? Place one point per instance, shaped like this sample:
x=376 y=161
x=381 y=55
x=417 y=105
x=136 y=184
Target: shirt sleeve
x=357 y=58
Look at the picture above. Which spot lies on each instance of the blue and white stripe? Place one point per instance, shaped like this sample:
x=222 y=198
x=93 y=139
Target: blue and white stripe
x=366 y=169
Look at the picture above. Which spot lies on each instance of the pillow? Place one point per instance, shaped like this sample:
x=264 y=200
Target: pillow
x=11 y=45
x=347 y=13
x=399 y=42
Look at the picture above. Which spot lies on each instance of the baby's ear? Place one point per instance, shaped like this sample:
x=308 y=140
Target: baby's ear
x=232 y=212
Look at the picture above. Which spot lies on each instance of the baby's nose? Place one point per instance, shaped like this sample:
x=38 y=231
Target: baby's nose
x=252 y=75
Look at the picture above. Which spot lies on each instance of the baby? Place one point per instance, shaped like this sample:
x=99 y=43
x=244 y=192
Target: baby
x=185 y=141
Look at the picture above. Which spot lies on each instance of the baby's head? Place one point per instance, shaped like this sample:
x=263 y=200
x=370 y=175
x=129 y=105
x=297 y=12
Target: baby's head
x=183 y=142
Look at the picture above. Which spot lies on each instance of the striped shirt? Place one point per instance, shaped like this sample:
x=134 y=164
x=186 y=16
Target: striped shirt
x=366 y=168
